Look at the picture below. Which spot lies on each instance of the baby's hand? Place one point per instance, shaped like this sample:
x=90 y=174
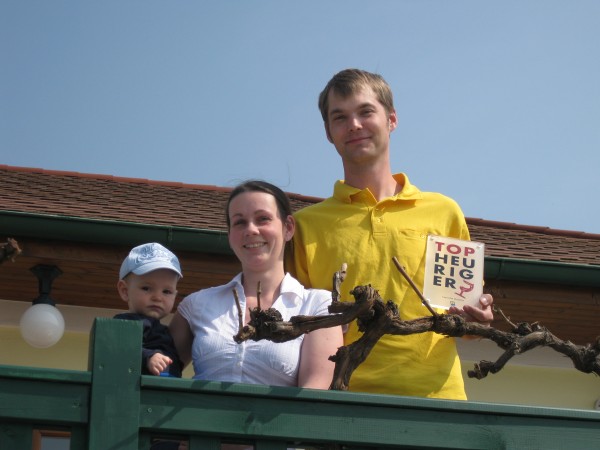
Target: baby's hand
x=158 y=363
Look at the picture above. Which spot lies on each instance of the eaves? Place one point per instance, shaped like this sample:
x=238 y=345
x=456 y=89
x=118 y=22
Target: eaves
x=76 y=229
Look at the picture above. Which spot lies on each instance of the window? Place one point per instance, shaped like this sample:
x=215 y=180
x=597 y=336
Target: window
x=51 y=440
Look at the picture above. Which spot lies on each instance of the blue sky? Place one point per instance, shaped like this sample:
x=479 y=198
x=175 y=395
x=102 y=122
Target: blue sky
x=498 y=101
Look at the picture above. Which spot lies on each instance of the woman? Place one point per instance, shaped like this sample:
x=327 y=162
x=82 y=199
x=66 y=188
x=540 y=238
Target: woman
x=260 y=223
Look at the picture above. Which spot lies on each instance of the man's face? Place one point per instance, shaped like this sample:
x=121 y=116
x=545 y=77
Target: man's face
x=359 y=126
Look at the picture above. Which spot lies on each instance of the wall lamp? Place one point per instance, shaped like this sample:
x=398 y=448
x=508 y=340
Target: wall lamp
x=42 y=325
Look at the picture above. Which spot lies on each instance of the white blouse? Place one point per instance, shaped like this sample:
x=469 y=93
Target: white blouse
x=213 y=318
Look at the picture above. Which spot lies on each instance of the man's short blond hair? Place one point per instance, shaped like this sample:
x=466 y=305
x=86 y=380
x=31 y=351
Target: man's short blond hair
x=350 y=81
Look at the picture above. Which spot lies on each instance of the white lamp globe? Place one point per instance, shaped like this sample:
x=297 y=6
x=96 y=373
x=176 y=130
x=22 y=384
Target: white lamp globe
x=42 y=325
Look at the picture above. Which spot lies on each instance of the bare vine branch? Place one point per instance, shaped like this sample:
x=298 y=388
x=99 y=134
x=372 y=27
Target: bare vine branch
x=414 y=286
x=376 y=318
x=9 y=250
x=239 y=308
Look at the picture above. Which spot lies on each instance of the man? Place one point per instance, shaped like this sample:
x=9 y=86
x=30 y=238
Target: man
x=373 y=216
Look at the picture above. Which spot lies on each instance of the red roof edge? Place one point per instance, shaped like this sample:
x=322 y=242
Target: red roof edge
x=304 y=198
x=113 y=178
x=300 y=197
x=531 y=228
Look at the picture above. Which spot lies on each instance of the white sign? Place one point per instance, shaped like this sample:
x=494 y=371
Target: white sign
x=453 y=272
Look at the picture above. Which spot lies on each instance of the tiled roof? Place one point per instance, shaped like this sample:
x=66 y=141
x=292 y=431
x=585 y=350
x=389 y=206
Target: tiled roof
x=104 y=197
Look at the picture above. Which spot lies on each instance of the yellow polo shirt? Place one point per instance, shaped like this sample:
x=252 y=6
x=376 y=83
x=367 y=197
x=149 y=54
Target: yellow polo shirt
x=352 y=227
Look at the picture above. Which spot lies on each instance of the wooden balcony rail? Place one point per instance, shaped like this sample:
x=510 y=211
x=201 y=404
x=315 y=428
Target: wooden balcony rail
x=112 y=407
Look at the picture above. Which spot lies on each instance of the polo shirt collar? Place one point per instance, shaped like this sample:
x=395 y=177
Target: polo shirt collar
x=347 y=194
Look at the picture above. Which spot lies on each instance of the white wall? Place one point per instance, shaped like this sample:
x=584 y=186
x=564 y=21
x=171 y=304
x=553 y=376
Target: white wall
x=541 y=377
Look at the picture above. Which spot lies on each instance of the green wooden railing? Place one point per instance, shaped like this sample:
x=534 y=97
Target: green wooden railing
x=112 y=407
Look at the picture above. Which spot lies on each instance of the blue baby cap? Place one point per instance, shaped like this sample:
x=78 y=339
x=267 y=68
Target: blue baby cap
x=148 y=257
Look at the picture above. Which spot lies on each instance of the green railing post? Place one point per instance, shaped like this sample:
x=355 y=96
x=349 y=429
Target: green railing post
x=16 y=436
x=115 y=360
x=204 y=443
x=78 y=438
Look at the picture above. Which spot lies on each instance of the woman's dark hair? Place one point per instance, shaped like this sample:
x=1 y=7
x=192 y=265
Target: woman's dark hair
x=283 y=202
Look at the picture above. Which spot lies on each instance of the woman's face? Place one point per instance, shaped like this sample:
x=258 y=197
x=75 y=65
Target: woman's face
x=257 y=233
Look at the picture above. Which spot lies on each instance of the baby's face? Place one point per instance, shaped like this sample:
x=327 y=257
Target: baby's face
x=152 y=294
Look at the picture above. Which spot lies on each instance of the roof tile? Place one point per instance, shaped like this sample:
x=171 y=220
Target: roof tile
x=105 y=197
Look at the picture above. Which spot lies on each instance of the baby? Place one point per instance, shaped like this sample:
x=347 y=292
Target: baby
x=148 y=284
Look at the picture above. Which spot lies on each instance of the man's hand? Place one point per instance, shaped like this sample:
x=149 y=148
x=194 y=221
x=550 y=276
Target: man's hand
x=483 y=314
